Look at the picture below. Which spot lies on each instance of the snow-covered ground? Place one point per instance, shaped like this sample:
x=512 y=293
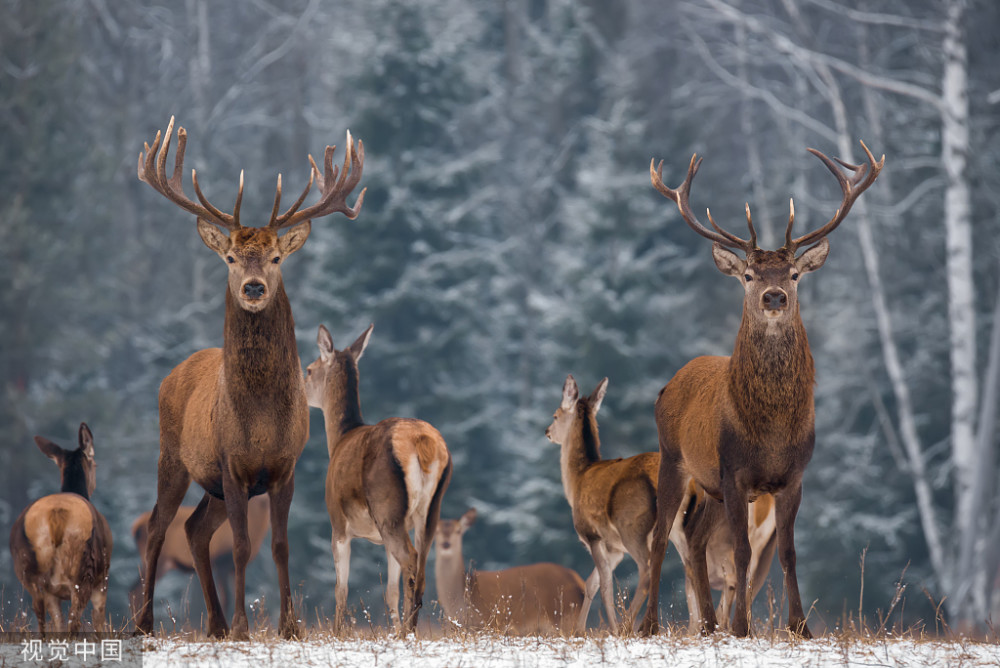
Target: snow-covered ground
x=498 y=652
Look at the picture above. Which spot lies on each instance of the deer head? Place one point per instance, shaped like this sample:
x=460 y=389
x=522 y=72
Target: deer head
x=254 y=254
x=77 y=468
x=333 y=365
x=449 y=533
x=770 y=278
x=565 y=415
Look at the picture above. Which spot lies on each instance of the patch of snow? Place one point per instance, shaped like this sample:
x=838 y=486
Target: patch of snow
x=534 y=652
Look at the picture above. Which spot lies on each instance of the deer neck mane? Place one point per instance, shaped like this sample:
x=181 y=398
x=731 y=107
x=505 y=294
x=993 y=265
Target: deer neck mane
x=74 y=477
x=449 y=572
x=581 y=449
x=771 y=377
x=260 y=357
x=342 y=408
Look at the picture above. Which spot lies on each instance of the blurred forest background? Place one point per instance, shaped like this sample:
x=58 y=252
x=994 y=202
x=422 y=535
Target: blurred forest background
x=510 y=236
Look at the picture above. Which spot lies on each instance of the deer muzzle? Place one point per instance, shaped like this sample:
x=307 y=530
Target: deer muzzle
x=774 y=300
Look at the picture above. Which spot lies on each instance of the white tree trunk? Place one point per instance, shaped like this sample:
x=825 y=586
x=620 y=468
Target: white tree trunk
x=967 y=601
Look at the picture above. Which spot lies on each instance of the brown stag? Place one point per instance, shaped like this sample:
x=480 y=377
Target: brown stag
x=176 y=554
x=61 y=545
x=235 y=419
x=742 y=426
x=383 y=481
x=522 y=600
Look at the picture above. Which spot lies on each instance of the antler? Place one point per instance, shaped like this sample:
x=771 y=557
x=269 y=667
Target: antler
x=680 y=196
x=334 y=190
x=864 y=176
x=153 y=170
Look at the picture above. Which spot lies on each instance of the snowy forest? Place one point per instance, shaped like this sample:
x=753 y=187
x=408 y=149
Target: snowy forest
x=510 y=236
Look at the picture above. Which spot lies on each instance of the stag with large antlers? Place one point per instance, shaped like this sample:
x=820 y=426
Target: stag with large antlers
x=235 y=419
x=742 y=426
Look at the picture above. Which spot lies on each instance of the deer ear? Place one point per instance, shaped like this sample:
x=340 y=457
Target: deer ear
x=86 y=441
x=597 y=396
x=325 y=343
x=49 y=449
x=468 y=519
x=728 y=262
x=358 y=347
x=213 y=237
x=570 y=393
x=294 y=238
x=813 y=258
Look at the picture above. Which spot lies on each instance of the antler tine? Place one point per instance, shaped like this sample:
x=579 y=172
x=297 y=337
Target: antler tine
x=680 y=197
x=791 y=221
x=334 y=184
x=152 y=169
x=864 y=175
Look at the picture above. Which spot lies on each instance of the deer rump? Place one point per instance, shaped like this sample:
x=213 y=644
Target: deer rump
x=65 y=543
x=357 y=488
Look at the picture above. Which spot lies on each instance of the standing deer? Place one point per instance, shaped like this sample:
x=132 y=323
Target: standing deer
x=384 y=480
x=742 y=426
x=612 y=500
x=176 y=554
x=523 y=600
x=235 y=419
x=61 y=545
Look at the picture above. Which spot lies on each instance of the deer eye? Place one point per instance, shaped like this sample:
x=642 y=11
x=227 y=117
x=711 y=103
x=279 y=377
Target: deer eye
x=795 y=276
x=230 y=259
x=747 y=277
x=276 y=260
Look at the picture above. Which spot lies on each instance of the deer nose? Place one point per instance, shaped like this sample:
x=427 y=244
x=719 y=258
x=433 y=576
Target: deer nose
x=775 y=300
x=254 y=290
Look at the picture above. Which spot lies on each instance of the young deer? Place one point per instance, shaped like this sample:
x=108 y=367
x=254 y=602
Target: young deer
x=743 y=426
x=523 y=600
x=61 y=545
x=383 y=481
x=235 y=419
x=612 y=501
x=176 y=554
x=614 y=511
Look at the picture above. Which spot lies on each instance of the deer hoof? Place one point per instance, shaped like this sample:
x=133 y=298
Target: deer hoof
x=649 y=627
x=290 y=630
x=800 y=630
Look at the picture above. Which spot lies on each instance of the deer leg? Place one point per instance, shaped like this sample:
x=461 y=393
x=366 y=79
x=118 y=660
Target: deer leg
x=423 y=542
x=591 y=586
x=281 y=502
x=697 y=531
x=200 y=527
x=77 y=602
x=735 y=500
x=38 y=605
x=639 y=550
x=399 y=547
x=786 y=507
x=670 y=490
x=54 y=607
x=236 y=512
x=602 y=560
x=172 y=481
x=99 y=599
x=392 y=590
x=341 y=545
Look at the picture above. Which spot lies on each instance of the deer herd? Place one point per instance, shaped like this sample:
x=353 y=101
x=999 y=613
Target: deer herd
x=735 y=436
